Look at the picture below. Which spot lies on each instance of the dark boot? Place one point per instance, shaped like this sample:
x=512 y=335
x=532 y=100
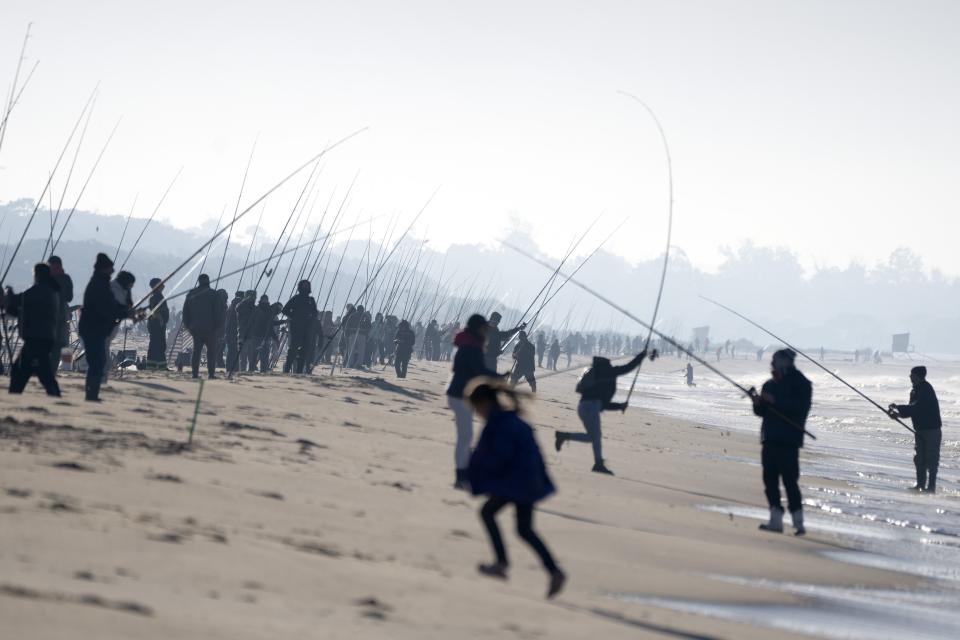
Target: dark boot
x=932 y=483
x=461 y=481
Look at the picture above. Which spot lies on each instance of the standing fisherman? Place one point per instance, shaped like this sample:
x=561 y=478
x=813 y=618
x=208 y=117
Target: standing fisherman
x=301 y=310
x=99 y=317
x=248 y=345
x=783 y=403
x=231 y=333
x=468 y=363
x=524 y=355
x=38 y=312
x=201 y=317
x=541 y=348
x=157 y=326
x=496 y=338
x=596 y=389
x=65 y=282
x=404 y=341
x=924 y=411
x=223 y=303
x=554 y=354
x=507 y=466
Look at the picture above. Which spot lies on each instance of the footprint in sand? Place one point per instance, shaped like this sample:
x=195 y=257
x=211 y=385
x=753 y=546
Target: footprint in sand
x=72 y=466
x=373 y=608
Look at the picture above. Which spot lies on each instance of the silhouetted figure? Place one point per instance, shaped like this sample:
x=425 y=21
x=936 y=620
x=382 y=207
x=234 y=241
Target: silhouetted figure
x=507 y=467
x=468 y=363
x=248 y=344
x=924 y=411
x=541 y=348
x=597 y=388
x=403 y=341
x=38 y=312
x=690 y=382
x=783 y=403
x=524 y=355
x=157 y=326
x=262 y=336
x=65 y=282
x=302 y=312
x=231 y=333
x=554 y=355
x=223 y=303
x=202 y=317
x=98 y=319
x=495 y=339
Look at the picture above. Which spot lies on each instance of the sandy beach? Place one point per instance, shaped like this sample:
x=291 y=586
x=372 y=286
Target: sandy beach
x=322 y=507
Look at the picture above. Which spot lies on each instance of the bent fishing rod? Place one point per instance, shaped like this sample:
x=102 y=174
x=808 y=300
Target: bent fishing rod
x=149 y=220
x=790 y=346
x=236 y=209
x=263 y=197
x=750 y=393
x=666 y=253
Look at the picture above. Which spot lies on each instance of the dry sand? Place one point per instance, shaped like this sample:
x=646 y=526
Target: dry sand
x=322 y=507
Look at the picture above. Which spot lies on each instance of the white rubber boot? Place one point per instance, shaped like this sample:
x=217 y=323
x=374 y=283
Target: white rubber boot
x=776 y=521
x=798 y=522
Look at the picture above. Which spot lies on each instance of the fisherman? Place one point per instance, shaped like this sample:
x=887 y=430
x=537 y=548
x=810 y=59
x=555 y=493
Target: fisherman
x=99 y=317
x=231 y=333
x=690 y=382
x=403 y=341
x=122 y=288
x=783 y=403
x=596 y=388
x=495 y=339
x=507 y=467
x=201 y=317
x=924 y=411
x=554 y=354
x=430 y=337
x=246 y=309
x=157 y=326
x=524 y=356
x=468 y=363
x=569 y=346
x=541 y=348
x=223 y=303
x=262 y=334
x=301 y=310
x=324 y=340
x=65 y=282
x=38 y=311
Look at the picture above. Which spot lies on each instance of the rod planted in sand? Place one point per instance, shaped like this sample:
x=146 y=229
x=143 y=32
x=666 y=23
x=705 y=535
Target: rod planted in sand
x=196 y=411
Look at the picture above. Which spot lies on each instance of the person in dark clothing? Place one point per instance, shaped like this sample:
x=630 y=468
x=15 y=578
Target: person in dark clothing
x=468 y=363
x=495 y=339
x=924 y=411
x=783 y=403
x=157 y=326
x=38 y=312
x=65 y=282
x=246 y=309
x=100 y=314
x=690 y=382
x=202 y=317
x=597 y=388
x=524 y=356
x=223 y=302
x=507 y=467
x=541 y=348
x=231 y=333
x=554 y=355
x=262 y=334
x=403 y=341
x=301 y=310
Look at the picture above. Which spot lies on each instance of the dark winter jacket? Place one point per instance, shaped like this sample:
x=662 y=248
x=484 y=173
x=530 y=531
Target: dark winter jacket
x=263 y=316
x=301 y=309
x=404 y=339
x=600 y=381
x=494 y=344
x=525 y=354
x=37 y=311
x=507 y=462
x=245 y=312
x=202 y=314
x=101 y=311
x=924 y=408
x=158 y=321
x=230 y=322
x=468 y=363
x=793 y=395
x=65 y=284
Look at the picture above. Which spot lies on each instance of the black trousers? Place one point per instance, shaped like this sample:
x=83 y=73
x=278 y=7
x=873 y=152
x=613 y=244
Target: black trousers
x=781 y=462
x=34 y=358
x=157 y=349
x=926 y=456
x=94 y=348
x=299 y=355
x=400 y=363
x=529 y=375
x=488 y=513
x=208 y=340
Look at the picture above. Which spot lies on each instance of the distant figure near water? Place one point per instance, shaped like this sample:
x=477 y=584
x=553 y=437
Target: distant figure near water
x=924 y=411
x=690 y=382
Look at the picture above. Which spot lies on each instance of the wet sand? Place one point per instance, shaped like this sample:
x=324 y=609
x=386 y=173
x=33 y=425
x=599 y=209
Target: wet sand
x=322 y=507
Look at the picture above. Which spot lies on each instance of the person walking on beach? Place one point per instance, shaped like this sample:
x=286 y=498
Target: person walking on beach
x=924 y=411
x=554 y=354
x=201 y=317
x=524 y=356
x=468 y=363
x=783 y=403
x=495 y=339
x=65 y=282
x=507 y=467
x=597 y=388
x=302 y=312
x=157 y=326
x=98 y=318
x=690 y=382
x=38 y=312
x=403 y=341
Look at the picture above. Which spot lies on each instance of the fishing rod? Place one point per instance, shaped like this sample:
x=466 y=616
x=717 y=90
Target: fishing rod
x=253 y=241
x=341 y=210
x=303 y=230
x=53 y=247
x=215 y=229
x=123 y=234
x=26 y=228
x=150 y=219
x=666 y=253
x=263 y=197
x=316 y=234
x=236 y=209
x=750 y=393
x=795 y=349
x=298 y=209
x=16 y=78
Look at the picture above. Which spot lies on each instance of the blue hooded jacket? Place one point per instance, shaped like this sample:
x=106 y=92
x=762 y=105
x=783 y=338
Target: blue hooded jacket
x=507 y=462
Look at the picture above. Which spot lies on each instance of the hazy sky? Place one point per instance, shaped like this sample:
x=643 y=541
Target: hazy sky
x=828 y=127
